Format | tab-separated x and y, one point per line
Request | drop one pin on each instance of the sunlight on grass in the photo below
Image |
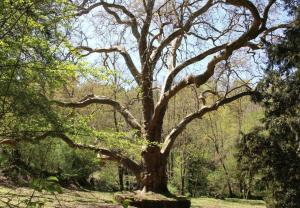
72	198
228	203
68	198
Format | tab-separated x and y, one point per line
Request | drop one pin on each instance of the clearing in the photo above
19	197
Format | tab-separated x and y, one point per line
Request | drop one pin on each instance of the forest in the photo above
150	103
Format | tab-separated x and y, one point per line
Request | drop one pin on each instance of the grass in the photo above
86	199
227	203
19	197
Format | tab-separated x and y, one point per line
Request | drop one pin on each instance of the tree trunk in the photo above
154	177
182	172
121	177
171	166
227	179
229	189
182	185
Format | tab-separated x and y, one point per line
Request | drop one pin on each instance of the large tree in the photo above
154	37
170	46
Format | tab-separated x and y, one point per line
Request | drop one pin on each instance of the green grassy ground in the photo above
228	203
20	197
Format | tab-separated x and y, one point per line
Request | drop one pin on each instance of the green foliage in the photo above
105	179
195	159
33	63
50	184
198	171
125	142
126	203
273	151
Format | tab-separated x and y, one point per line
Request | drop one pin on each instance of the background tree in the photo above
33	64
274	149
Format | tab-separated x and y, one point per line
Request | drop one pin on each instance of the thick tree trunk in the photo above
154	177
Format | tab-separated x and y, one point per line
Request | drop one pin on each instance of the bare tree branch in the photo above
266	14
10	142
91	99
132	22
130	164
131	66
180	31
202	78
147	68
171	137
145	29
188	62
164	99
272	29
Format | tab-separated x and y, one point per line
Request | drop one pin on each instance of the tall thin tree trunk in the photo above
214	139
116	124
171	165
183	162
226	172
182	176
121	177
228	181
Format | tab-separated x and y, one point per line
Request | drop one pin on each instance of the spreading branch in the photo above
171	137
91	99
188	62
201	79
130	164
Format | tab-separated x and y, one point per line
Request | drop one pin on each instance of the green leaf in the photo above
53	179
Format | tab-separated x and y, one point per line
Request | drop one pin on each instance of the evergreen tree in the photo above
274	149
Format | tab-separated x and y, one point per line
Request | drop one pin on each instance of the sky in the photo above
98	32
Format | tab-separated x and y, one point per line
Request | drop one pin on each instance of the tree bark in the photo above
154	176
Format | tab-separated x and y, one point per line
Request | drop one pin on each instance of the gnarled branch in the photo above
198	80
130	164
91	99
171	137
